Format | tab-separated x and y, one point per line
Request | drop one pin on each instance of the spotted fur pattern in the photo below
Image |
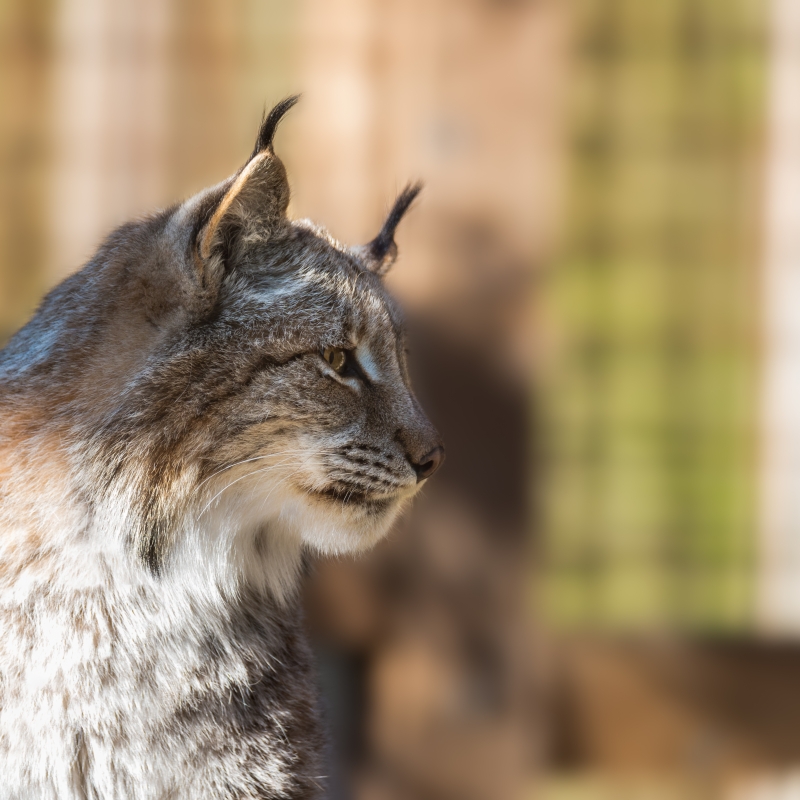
172	444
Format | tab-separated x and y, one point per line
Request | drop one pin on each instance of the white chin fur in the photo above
331	529
253	533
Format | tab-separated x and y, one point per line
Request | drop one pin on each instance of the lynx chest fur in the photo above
220	392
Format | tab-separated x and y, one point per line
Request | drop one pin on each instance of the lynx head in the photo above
234	383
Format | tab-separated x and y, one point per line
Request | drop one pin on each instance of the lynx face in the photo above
223	385
322	432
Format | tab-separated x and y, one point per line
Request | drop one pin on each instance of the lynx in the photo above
220	392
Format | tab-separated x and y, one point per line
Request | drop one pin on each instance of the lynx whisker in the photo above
271	468
280	482
243	461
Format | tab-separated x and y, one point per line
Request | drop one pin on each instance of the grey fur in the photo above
171	444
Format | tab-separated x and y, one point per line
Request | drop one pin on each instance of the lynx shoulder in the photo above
218	392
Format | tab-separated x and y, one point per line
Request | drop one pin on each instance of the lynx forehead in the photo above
217	392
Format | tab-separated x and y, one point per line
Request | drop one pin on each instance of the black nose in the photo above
429	463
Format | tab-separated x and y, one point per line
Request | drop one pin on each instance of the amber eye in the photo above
336	357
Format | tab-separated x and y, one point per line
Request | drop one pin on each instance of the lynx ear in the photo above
258	195
381	252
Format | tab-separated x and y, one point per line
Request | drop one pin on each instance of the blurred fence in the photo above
650	394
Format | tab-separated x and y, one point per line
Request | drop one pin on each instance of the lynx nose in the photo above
424	449
429	463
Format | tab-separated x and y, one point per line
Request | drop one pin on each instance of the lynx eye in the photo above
336	357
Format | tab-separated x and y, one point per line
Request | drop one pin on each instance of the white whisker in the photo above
241	478
244	461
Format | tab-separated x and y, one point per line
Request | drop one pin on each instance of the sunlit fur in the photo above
172	444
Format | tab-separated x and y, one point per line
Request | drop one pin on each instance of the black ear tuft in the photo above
269	124
382	250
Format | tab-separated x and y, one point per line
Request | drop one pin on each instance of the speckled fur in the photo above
172	444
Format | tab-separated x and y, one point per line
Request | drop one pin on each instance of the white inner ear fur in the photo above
223	208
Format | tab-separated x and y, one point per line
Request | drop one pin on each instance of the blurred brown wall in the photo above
24	77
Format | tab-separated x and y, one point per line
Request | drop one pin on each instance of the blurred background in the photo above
599	595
